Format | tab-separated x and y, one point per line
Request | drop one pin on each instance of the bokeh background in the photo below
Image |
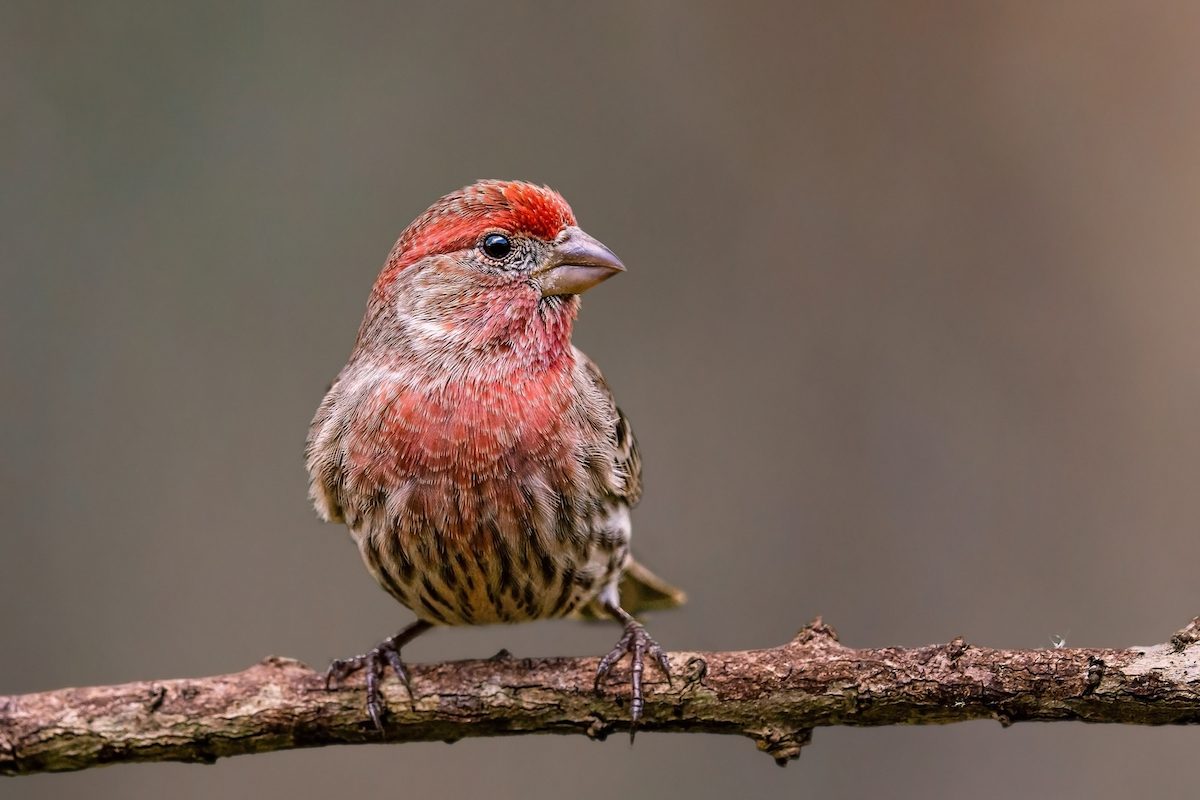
910	336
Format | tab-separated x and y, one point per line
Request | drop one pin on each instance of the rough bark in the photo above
774	696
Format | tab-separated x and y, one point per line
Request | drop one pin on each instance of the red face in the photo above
522	232
459	220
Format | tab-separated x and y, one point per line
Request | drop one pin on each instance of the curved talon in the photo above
393	657
340	668
614	655
375	707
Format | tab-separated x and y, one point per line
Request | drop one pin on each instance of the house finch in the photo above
476	456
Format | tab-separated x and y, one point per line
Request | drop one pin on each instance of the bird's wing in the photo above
640	589
626	458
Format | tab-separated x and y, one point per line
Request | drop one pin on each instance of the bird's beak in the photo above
577	263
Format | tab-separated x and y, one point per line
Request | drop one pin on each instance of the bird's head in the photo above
488	265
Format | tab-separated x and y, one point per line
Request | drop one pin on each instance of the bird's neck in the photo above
506	334
467	396
519	333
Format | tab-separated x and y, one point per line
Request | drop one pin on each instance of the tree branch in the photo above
775	696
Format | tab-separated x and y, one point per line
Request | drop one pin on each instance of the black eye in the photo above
496	245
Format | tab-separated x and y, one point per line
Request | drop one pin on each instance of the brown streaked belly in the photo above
454	582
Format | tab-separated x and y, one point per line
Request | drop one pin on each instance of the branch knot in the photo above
781	743
1187	636
816	633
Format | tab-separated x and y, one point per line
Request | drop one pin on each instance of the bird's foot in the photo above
638	644
375	661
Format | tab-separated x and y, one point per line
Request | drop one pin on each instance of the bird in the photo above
476	456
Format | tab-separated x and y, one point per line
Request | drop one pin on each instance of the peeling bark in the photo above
775	696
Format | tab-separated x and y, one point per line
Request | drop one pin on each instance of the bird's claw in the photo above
638	644
385	654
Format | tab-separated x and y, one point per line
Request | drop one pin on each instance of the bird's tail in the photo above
641	590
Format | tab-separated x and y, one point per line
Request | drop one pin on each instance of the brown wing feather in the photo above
626	457
640	589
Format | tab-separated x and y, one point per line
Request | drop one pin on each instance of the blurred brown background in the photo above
910	337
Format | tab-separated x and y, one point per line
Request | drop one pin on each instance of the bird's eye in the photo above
496	245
